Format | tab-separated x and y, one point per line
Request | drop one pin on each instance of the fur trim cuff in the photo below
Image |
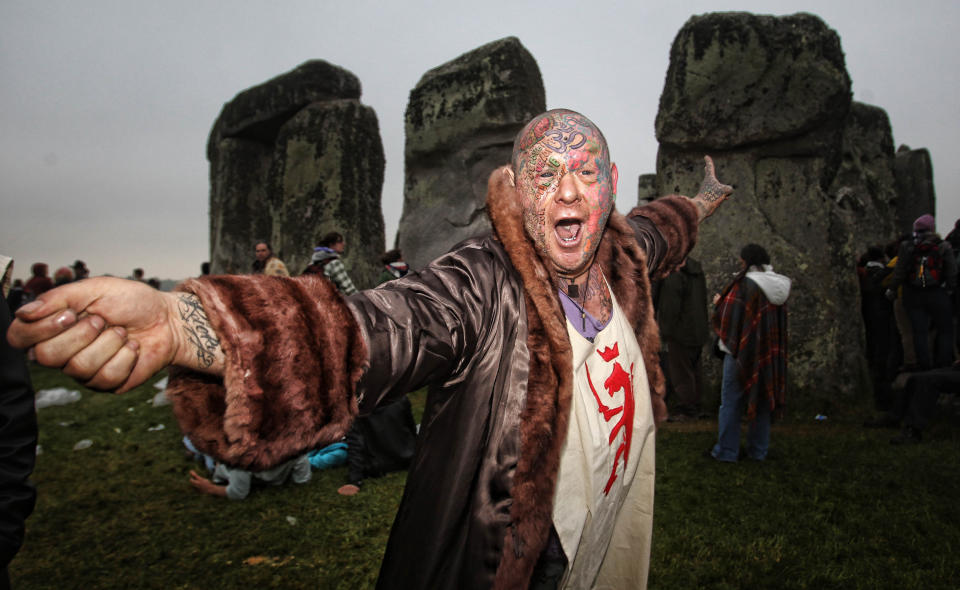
277	398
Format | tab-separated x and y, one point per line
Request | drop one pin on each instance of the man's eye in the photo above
547	174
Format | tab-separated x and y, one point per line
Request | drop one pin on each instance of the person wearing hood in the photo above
750	320
927	270
326	261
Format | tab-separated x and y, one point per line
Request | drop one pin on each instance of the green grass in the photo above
837	507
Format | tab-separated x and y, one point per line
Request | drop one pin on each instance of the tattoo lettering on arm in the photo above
197	329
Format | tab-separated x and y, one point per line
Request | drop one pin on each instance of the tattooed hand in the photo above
113	334
712	191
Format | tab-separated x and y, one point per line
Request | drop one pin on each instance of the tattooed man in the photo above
534	465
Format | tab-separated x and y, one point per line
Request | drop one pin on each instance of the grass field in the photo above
835	507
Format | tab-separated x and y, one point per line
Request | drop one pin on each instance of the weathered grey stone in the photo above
647	188
460	123
327	175
916	196
239	213
769	99
258	112
291	159
737	78
863	188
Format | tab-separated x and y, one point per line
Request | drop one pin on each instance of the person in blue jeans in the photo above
750	320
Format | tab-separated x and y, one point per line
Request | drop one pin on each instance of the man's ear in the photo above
510	177
613	180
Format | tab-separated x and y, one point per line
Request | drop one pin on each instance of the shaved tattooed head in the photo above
567	187
557	131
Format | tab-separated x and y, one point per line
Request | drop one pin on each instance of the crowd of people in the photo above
910	306
21	293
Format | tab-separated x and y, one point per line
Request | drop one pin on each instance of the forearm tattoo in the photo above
196	327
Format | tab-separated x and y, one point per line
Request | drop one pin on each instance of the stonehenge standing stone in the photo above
646	188
290	160
460	123
915	187
769	98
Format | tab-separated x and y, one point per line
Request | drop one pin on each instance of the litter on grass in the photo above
83	444
57	396
160	399
156	428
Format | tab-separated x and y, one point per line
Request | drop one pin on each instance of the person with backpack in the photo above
326	261
927	270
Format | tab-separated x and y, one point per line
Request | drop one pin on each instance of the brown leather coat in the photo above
482	327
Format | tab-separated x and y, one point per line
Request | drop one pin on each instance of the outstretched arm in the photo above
114	334
712	191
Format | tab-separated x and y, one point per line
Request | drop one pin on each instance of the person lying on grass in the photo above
535	459
235	484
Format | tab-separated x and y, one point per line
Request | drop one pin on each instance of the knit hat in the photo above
924	223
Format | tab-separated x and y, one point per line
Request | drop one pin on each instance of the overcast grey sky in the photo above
105	106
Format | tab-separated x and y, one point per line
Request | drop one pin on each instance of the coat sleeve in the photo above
293	354
667	230
18	444
425	327
296	355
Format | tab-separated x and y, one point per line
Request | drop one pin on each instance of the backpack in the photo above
316	268
926	269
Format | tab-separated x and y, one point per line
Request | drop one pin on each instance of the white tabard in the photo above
603	509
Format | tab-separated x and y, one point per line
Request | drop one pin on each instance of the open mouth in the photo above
568	231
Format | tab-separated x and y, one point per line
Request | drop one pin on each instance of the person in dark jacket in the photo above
878	322
684	329
39	283
927	270
18	442
536	342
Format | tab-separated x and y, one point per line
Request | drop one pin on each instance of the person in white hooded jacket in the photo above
750	320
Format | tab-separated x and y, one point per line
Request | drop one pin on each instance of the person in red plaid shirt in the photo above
750	320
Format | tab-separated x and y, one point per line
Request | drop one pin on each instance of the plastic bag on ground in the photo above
57	396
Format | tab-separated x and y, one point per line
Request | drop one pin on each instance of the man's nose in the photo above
568	192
